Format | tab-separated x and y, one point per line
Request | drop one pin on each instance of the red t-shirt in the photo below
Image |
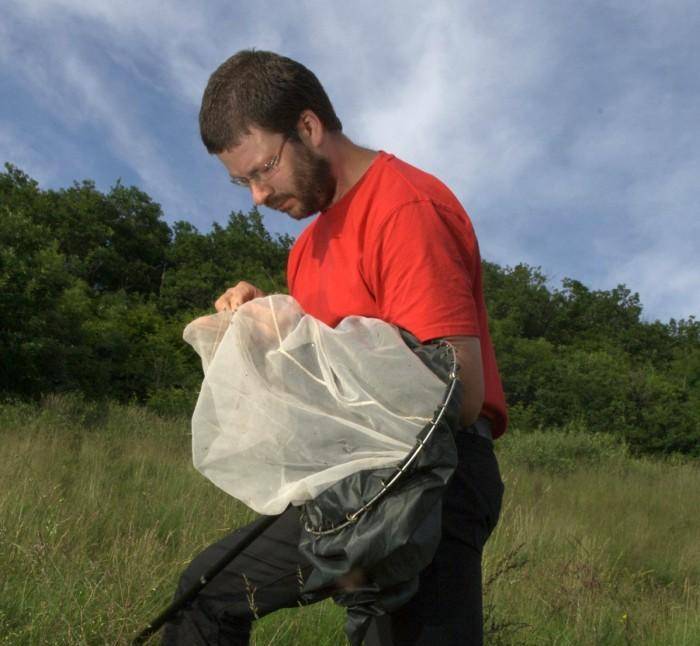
399	247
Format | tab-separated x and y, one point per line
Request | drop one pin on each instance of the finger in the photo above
225	303
234	297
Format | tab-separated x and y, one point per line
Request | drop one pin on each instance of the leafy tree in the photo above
114	241
664	416
34	324
593	315
520	296
18	191
202	266
95	290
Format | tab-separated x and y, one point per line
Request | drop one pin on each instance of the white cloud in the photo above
77	90
20	151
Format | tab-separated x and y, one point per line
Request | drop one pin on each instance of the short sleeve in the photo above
420	264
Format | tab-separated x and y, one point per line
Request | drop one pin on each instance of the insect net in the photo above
290	406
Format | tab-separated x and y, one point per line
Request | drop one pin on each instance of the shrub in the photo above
172	402
560	451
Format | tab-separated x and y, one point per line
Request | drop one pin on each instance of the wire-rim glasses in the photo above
268	170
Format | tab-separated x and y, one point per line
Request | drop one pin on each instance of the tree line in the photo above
96	288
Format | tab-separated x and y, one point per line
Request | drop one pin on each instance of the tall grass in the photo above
607	553
100	510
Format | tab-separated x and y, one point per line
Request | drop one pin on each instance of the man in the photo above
391	242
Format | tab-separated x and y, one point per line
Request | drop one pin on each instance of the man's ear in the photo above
310	129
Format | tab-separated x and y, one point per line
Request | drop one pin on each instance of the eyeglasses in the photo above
265	173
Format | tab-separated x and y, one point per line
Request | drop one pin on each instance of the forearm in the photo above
471	374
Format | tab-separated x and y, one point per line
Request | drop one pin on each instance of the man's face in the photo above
282	173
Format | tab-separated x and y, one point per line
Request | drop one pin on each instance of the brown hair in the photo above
263	89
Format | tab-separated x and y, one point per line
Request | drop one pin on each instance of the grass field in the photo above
100	509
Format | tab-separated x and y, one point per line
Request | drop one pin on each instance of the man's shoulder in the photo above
405	177
400	188
399	183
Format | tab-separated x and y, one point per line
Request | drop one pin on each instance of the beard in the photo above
314	185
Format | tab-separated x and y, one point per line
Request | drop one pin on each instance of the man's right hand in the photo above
235	296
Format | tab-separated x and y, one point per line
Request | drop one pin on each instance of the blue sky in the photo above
569	130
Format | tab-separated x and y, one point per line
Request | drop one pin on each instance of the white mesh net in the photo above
289	405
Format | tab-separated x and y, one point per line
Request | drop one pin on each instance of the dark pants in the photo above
269	575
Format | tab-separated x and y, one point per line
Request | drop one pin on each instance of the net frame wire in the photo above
421	440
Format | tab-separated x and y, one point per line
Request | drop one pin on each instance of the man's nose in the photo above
259	193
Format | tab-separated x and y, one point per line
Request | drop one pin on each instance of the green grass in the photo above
100	509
